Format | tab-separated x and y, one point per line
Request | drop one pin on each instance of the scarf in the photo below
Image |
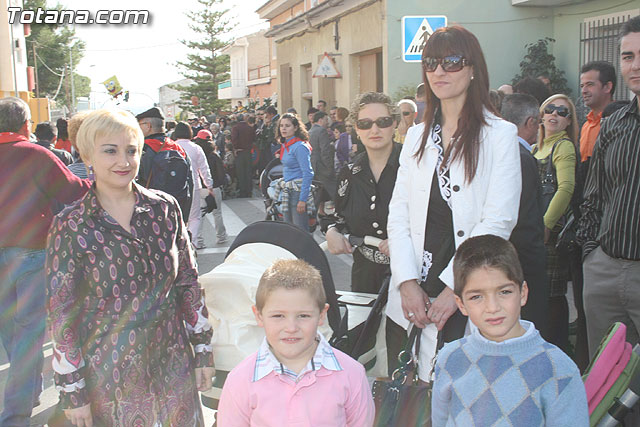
290	142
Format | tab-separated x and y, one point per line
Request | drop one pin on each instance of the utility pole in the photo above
13	61
35	64
73	86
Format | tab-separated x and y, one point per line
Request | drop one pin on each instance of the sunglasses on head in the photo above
450	64
560	109
381	122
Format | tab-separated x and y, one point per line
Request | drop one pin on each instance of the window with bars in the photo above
599	42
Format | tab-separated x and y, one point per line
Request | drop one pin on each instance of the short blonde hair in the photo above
101	123
410	103
291	274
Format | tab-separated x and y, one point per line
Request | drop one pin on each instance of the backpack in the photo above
168	171
217	170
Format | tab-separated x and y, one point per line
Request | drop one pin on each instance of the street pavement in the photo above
237	214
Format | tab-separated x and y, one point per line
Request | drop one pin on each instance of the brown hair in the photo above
485	251
342	114
367	98
291	274
457	40
301	131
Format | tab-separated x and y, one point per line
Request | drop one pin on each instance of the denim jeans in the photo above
299	219
22	325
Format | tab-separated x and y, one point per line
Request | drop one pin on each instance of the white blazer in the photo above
487	205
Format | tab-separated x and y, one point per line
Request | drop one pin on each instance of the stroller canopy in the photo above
303	246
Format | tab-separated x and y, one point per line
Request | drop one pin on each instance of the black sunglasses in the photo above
560	109
407	113
450	64
381	122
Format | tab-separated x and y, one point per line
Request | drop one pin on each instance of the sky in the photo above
144	57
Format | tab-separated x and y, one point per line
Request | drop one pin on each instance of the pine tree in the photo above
52	46
207	68
538	61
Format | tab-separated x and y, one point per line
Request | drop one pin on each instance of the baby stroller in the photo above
271	173
231	288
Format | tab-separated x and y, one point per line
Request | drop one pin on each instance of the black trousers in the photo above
243	172
367	276
396	337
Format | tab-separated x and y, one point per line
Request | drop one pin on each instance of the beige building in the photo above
13	52
351	32
169	97
251	75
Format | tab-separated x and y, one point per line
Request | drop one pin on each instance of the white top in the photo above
487	205
199	165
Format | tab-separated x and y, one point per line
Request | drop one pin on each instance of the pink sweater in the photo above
320	398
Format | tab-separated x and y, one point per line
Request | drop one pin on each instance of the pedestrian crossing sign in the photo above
415	32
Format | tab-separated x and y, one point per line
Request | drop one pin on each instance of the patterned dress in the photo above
125	310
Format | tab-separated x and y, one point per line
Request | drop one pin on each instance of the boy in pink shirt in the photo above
296	378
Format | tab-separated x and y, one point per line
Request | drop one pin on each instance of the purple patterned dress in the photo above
126	313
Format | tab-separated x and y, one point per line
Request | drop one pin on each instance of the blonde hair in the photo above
101	123
291	274
572	128
410	103
74	126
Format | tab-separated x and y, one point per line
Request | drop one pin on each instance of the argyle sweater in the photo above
521	382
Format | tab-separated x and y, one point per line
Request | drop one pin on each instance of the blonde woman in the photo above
555	154
408	113
124	306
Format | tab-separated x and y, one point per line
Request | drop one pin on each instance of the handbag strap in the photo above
409	359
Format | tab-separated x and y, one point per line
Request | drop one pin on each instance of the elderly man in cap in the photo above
32	179
164	165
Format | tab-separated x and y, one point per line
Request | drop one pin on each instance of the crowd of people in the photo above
486	203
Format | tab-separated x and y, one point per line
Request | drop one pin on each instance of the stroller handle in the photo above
356	241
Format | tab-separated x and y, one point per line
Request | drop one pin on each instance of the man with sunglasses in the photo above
609	227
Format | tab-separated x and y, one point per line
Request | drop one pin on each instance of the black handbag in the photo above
566	243
402	401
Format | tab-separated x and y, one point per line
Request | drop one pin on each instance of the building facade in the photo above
352	34
364	39
169	97
251	79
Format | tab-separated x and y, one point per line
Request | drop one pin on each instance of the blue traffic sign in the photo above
415	33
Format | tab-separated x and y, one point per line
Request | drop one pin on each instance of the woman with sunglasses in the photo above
364	191
459	177
293	190
408	113
556	136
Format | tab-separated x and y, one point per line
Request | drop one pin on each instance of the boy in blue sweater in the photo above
503	373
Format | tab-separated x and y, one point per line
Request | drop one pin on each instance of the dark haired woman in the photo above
294	189
459	177
63	142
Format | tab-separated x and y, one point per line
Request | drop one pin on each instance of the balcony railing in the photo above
260	73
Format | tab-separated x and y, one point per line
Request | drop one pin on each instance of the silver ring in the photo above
410	314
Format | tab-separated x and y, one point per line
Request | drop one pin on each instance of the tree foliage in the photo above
52	45
206	67
538	61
